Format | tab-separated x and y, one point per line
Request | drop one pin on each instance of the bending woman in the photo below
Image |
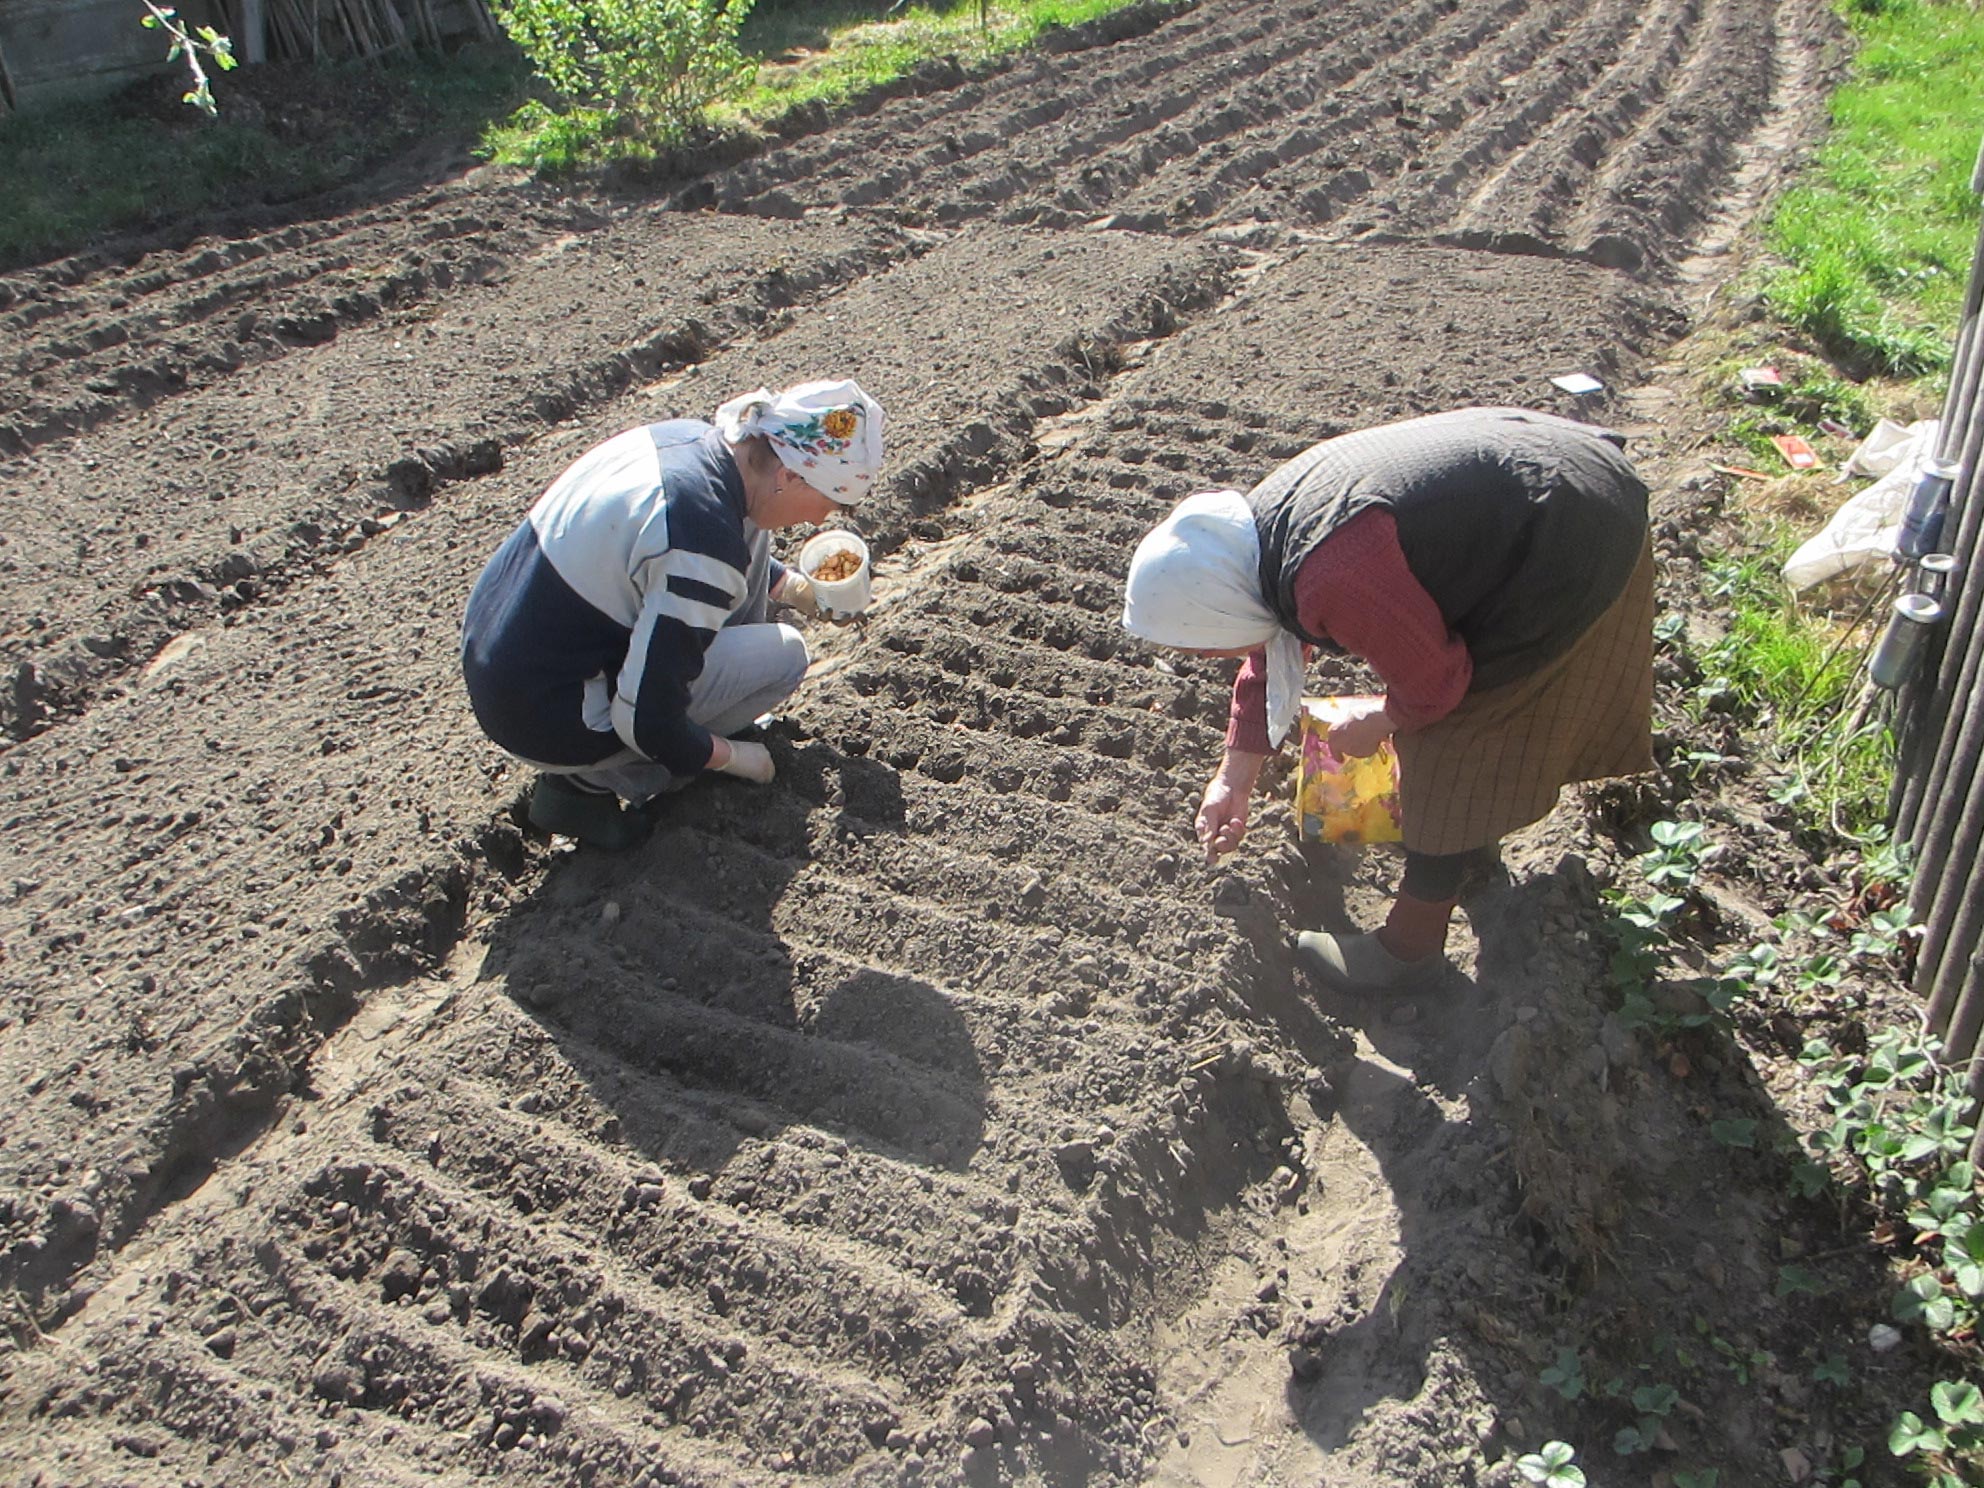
1492	565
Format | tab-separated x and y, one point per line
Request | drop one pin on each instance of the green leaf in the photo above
1923	1300
1552	1466
1832	1371
1676	834
1655	1400
1957	1402
1909	1434
1735	1132
1566	1376
1795	1279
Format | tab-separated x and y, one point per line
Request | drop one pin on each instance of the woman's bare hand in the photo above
1356	737
1222	819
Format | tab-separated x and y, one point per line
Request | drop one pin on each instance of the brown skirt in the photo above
1497	761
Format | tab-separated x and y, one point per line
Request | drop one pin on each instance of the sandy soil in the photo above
933	1115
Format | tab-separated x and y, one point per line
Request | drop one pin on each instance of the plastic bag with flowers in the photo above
1338	799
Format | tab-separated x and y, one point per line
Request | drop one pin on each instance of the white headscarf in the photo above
1195	582
829	434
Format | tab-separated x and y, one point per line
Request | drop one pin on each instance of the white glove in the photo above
748	761
797	591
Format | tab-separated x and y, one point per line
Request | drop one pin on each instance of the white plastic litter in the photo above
1866	526
1884	447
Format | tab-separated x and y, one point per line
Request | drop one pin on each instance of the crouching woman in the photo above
620	640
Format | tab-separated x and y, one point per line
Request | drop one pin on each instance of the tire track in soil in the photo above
888	1124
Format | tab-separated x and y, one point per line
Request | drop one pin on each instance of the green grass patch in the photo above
806	55
1800	676
1878	236
77	172
830	52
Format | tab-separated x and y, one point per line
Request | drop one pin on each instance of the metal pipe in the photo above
1936	574
1900	648
1924	755
1944	732
1928	500
1952	908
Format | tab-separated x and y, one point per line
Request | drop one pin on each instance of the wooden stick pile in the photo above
316	30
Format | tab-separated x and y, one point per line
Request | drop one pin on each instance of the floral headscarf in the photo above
829	434
1195	583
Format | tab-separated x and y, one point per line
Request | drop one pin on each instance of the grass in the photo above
1799	676
830	52
79	171
1874	246
1877	237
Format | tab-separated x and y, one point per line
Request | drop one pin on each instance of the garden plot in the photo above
934	1113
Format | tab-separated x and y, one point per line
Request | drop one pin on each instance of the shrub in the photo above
654	65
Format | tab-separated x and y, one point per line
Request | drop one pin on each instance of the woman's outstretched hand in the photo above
1356	737
1222	820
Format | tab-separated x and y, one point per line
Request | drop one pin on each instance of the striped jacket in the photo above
589	624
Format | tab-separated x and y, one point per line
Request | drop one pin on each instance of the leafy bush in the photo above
651	66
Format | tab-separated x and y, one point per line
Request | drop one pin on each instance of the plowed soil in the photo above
934	1114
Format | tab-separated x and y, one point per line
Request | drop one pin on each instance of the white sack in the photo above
1867	526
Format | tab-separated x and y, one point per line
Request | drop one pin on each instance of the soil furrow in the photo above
1357	120
168	536
934	1114
1522	84
494	1277
334	839
794	1185
985	118
165	334
1676	137
261	515
1563	174
763	1269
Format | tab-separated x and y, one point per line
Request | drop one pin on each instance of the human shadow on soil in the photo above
1373	1344
1582	1190
709	991
1395	1089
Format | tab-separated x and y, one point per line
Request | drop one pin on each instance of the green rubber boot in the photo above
1360	964
561	805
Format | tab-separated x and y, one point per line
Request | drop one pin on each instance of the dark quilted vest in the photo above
1524	527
